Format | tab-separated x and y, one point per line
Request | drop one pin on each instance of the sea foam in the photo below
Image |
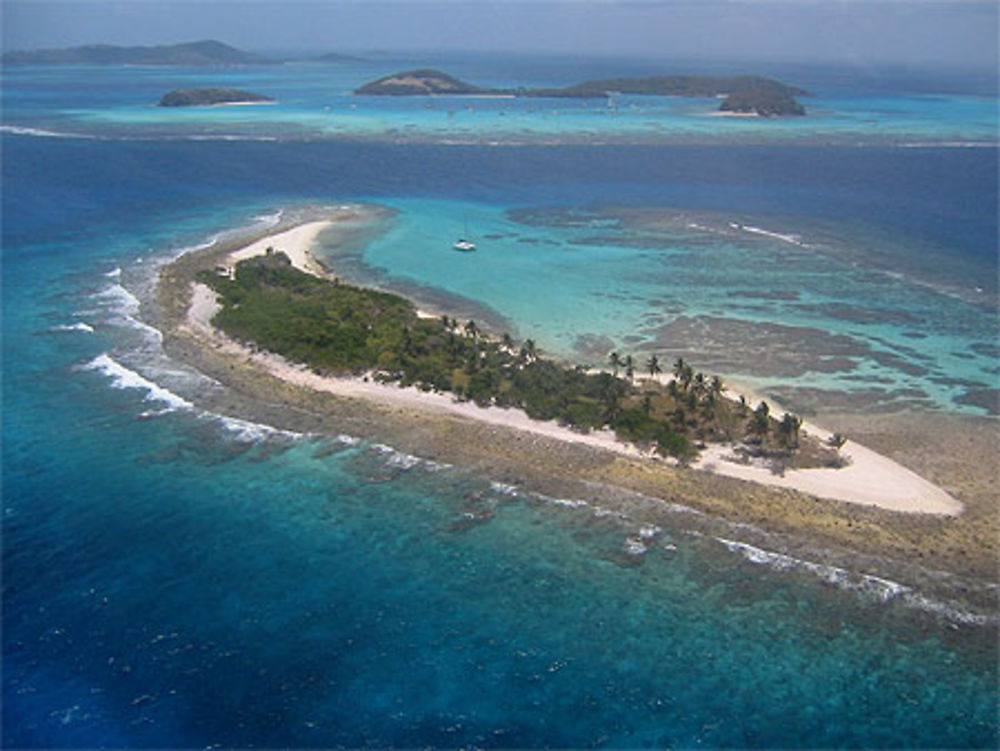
124	378
247	431
788	238
868	585
18	130
79	326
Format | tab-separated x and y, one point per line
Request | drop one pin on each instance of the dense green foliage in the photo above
419	82
336	328
764	96
764	102
202	97
695	86
339	328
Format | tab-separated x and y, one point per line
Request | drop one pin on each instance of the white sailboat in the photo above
462	243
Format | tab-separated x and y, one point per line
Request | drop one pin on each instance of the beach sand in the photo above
295	243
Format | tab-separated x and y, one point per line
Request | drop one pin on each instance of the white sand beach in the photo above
869	479
294	243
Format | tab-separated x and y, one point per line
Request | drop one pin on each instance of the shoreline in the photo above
914	546
869	479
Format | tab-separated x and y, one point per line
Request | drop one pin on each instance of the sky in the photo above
934	32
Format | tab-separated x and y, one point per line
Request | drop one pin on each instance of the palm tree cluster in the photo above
338	328
697	407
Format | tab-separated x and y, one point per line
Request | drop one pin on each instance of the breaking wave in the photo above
868	585
125	378
79	326
18	130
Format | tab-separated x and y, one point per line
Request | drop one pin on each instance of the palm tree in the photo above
679	366
760	423
508	342
653	366
700	384
529	351
629	367
616	362
471	330
789	429
717	386
687	374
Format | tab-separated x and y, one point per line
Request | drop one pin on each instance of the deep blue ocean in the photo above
178	577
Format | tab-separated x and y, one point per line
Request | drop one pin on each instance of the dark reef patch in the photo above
755	294
986	349
809	401
729	345
867	379
986	399
961	382
889	360
862	315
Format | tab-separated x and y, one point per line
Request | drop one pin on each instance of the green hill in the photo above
419	83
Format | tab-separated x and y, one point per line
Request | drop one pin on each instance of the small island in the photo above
210	97
742	94
421	82
338	330
317	355
338	57
762	102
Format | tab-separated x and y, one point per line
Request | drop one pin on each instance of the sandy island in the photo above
869	479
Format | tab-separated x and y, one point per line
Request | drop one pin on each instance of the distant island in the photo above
421	83
337	57
206	52
209	97
762	102
743	94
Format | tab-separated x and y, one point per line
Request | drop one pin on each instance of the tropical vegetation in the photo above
336	328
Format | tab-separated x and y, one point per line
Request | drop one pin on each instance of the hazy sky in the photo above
928	31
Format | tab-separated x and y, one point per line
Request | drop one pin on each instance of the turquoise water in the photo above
315	100
177	577
582	285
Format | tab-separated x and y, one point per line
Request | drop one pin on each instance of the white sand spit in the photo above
870	479
294	243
